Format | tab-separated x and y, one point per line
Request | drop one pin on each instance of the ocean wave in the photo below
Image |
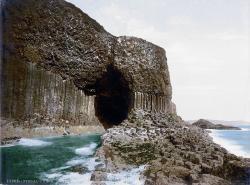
7	145
69	178
64	176
87	150
245	129
231	146
90	163
124	177
75	162
75	179
32	142
52	175
127	177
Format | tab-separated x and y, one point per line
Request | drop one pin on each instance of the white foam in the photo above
53	170
75	162
75	179
230	145
124	177
87	150
91	163
33	142
245	129
127	177
52	175
70	178
7	145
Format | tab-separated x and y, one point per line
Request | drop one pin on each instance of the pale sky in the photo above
206	43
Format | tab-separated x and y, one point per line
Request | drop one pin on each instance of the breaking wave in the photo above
231	145
32	142
64	176
87	150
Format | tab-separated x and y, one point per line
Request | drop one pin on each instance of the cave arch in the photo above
113	98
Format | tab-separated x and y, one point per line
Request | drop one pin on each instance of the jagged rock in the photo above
79	169
205	124
193	159
60	67
61	64
98	183
98	176
10	140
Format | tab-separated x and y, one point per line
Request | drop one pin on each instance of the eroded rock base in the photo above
173	151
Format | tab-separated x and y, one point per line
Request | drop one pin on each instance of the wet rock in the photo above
98	176
60	67
98	183
9	140
79	169
194	159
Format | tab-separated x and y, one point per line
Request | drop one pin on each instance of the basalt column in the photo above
60	64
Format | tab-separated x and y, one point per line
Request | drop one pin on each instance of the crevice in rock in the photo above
113	99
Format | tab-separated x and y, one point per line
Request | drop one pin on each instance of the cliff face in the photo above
60	67
60	64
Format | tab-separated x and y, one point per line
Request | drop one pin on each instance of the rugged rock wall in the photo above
38	96
171	151
57	60
61	67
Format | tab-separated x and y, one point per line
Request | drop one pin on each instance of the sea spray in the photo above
33	142
223	138
48	159
87	150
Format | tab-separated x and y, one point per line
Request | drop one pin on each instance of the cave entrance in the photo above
113	98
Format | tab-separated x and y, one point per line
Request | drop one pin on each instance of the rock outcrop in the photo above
173	151
205	124
59	64
60	67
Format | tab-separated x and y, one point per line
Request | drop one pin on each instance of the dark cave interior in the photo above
113	98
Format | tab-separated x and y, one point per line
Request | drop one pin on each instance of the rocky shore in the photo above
173	151
12	131
205	124
63	73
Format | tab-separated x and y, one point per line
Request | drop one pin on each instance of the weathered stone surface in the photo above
56	57
98	176
60	67
175	152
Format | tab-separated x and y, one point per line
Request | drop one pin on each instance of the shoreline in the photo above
10	135
229	144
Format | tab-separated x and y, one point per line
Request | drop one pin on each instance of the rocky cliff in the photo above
172	152
60	67
59	64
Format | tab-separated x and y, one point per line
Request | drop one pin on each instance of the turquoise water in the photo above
32	159
235	141
56	160
67	160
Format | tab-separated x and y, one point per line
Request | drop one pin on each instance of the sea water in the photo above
235	141
51	161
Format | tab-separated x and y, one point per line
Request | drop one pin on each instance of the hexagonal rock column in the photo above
60	64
